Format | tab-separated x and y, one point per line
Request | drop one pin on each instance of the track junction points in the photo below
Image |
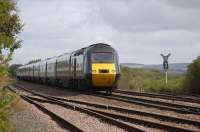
124	118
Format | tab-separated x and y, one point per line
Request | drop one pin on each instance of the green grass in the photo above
7	99
151	81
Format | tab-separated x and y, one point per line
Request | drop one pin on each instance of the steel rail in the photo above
142	121
120	109
178	110
189	108
150	103
126	118
132	111
61	121
161	96
121	124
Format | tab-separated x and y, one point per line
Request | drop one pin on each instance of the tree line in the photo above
193	77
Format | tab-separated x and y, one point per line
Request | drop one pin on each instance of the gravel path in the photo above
27	118
84	121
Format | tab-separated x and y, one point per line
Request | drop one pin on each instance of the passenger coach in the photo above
94	67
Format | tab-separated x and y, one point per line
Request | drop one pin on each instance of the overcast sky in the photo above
138	29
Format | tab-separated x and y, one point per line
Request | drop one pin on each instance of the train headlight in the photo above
94	71
113	71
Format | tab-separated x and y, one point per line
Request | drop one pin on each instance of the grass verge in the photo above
7	99
151	81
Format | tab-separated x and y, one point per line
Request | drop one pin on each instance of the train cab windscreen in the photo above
102	57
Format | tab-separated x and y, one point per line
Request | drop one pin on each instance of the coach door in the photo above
74	68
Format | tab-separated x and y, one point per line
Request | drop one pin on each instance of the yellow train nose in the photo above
103	74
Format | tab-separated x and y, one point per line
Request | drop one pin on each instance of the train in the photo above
95	67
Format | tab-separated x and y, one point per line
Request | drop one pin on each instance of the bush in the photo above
193	77
150	81
6	100
12	69
3	71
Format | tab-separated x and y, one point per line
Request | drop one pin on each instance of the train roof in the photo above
80	51
77	52
97	44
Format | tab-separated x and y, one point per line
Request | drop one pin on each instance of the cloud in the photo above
147	16
138	29
193	4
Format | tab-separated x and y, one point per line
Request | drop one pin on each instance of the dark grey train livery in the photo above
94	67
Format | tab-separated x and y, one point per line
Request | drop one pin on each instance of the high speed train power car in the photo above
94	67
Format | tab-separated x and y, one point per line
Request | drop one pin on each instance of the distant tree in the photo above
12	69
34	61
193	77
10	26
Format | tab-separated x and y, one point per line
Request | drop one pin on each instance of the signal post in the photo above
166	65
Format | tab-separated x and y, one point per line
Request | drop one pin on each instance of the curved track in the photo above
162	96
122	117
184	109
62	122
105	118
155	104
195	110
132	111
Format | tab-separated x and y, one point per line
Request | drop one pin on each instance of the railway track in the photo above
133	111
62	122
183	109
119	116
124	125
161	96
154	104
175	105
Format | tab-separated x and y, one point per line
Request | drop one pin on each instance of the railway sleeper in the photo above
123	110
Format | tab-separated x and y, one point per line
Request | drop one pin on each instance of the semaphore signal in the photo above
166	64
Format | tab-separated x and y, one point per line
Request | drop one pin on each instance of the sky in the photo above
138	29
